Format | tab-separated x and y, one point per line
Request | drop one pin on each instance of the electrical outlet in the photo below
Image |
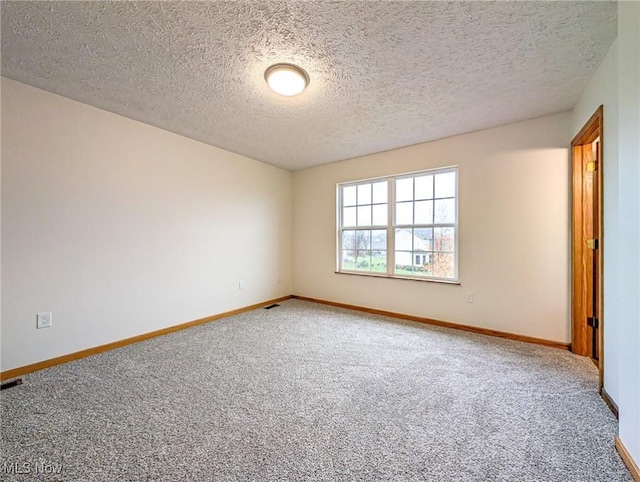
44	319
279	279
240	285
468	297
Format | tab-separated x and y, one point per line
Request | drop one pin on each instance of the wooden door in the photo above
591	239
586	246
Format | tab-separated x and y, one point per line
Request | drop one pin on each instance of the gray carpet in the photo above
308	392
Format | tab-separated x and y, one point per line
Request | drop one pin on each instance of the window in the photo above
400	226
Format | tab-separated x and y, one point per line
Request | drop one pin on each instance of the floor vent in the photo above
13	383
270	306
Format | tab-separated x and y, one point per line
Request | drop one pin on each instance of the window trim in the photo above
391	225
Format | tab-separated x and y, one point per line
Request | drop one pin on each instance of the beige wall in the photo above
629	223
514	237
120	228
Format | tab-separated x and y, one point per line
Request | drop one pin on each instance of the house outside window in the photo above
400	226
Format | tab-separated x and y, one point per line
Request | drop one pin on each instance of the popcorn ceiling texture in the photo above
383	74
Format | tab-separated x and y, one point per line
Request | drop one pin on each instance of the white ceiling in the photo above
383	74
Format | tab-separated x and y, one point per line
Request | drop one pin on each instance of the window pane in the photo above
364	215
424	187
404	213
364	194
349	217
446	184
443	265
424	212
423	265
348	240
404	240
404	263
445	211
404	189
363	240
444	239
363	261
354	254
422	239
348	261
349	196
379	261
379	240
379	214
380	191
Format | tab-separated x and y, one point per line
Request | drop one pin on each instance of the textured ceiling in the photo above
383	74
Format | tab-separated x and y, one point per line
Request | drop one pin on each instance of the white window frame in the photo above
391	225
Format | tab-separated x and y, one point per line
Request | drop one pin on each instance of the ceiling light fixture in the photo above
286	79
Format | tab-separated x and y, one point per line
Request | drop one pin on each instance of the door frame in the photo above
591	131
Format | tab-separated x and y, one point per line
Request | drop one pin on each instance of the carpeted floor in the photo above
308	392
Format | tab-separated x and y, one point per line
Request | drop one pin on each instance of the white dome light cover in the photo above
286	79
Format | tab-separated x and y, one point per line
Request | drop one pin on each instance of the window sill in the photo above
406	278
